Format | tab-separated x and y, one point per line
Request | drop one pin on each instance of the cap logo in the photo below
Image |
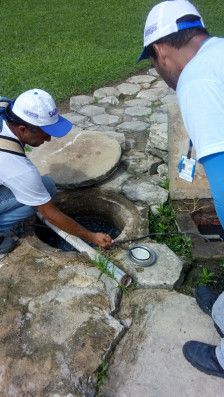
53	113
31	114
150	30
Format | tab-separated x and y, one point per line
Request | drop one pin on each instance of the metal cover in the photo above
141	255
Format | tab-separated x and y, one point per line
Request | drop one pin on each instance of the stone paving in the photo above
59	321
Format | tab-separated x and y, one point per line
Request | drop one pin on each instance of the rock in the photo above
159	117
75	118
128	89
135	126
153	94
91	110
154	73
135	164
56	323
137	111
163	170
170	99
158	136
110	99
106	92
152	163
141	79
143	190
154	209
105	119
80	100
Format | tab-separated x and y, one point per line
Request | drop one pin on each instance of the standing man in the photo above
32	119
191	62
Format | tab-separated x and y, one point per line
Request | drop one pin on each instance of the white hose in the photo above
76	242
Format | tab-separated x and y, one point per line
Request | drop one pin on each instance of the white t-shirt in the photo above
20	175
200	93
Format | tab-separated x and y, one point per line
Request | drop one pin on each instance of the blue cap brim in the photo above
144	55
59	129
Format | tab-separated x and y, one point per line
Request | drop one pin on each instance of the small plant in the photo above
222	264
166	184
27	148
102	262
151	112
205	277
101	373
164	222
95	100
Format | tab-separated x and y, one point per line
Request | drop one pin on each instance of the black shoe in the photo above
205	299
7	244
203	357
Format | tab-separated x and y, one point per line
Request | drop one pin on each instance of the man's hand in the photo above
102	239
67	224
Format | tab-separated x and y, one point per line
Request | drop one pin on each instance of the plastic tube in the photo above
76	242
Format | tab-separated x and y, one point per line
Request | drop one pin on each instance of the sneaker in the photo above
7	244
202	356
205	299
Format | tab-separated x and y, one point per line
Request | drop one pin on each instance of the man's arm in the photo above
53	215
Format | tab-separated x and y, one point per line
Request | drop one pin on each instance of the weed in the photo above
151	112
103	262
205	277
164	222
101	373
166	184
222	264
27	148
95	100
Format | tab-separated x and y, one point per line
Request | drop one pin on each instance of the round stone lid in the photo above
81	158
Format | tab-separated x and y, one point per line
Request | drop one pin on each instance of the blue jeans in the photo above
12	212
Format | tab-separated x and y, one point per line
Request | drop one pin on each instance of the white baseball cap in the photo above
38	108
161	21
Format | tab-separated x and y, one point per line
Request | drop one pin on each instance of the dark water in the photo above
94	224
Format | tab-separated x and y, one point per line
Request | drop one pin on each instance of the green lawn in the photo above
71	47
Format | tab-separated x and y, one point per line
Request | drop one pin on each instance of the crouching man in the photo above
32	119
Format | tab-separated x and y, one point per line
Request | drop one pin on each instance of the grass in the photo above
68	47
74	47
101	374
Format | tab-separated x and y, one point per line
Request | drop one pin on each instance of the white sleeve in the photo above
202	108
28	187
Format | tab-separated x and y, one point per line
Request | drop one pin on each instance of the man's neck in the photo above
186	53
12	128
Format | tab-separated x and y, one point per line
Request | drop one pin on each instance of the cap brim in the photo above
144	55
59	129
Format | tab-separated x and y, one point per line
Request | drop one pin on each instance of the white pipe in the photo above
76	242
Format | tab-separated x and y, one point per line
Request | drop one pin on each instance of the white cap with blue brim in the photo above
162	21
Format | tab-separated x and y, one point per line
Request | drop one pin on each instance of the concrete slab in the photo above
78	159
166	272
56	323
149	360
178	143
